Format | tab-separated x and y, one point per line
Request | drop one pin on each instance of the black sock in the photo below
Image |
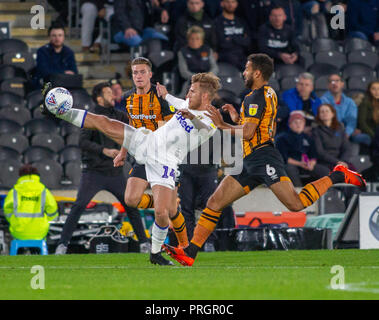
337	177
192	250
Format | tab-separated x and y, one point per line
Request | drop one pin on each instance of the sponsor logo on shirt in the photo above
184	123
143	116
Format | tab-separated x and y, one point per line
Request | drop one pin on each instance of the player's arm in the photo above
177	103
198	124
247	129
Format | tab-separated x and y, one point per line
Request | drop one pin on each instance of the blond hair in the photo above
209	82
196	29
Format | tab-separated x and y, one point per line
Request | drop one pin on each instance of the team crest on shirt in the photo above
172	109
253	109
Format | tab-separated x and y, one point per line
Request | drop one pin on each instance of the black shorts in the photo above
138	171
263	166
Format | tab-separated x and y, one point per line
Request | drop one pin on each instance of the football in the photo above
58	101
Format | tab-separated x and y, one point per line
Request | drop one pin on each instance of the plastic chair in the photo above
357	69
17	244
23	60
34	99
11	99
334	58
9	171
81	99
13	45
322	69
14	85
11	72
368	58
288	70
52	141
19	114
51	173
16	141
324	44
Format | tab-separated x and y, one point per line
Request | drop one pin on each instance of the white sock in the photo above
74	116
158	237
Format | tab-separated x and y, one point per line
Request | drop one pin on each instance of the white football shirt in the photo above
170	143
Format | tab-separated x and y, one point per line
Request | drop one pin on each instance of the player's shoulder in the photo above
129	93
259	95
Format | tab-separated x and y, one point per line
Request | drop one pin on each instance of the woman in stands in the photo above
332	144
368	115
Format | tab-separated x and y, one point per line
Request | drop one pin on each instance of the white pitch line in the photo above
180	267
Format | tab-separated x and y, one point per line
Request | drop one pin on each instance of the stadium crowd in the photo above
326	78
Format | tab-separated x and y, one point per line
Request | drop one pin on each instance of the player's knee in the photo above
295	206
131	200
161	212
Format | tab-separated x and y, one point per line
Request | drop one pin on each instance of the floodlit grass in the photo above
214	276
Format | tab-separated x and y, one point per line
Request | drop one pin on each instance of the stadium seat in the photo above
333	202
16	141
308	58
274	84
357	69
353	93
324	44
159	58
4	30
322	83
73	139
51	173
67	128
365	57
36	126
359	82
234	84
288	70
34	99
12	45
36	114
361	162
334	58
21	115
14	85
288	82
34	154
319	93
9	126
23	60
9	172
354	44
10	72
322	69
81	99
70	153
229	97
11	99
52	141
73	171
227	70
9	153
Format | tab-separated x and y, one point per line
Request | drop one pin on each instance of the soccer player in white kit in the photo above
162	150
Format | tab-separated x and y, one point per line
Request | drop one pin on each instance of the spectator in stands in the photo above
98	173
314	7
368	115
90	10
294	15
347	111
29	206
133	22
178	7
195	57
278	40
332	145
255	13
233	39
363	20
299	151
302	97
54	57
372	174
194	16
119	99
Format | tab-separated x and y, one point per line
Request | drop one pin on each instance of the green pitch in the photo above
219	275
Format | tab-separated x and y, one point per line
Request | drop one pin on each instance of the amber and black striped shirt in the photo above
260	107
147	110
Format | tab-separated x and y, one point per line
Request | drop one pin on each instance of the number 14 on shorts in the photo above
165	174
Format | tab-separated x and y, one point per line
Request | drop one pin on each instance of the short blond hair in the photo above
209	82
196	29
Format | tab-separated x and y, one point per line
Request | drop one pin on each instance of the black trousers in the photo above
90	184
194	191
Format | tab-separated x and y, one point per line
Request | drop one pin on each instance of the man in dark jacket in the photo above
278	40
98	171
233	38
299	151
54	57
195	15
